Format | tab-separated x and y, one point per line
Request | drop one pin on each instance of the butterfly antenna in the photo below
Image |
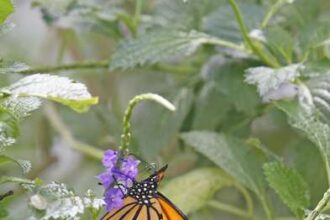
149	166
119	185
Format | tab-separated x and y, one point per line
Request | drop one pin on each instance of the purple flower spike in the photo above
110	158
124	175
113	198
130	167
106	179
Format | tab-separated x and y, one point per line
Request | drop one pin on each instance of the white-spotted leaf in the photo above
55	88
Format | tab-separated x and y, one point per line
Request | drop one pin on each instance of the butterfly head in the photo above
161	173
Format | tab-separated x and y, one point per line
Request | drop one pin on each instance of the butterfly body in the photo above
143	202
144	191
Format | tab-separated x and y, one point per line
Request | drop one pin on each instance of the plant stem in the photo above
324	201
9	193
137	16
102	64
10	179
64	131
126	134
228	44
248	199
271	62
266	208
277	6
229	209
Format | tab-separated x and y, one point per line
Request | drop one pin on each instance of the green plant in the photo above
249	79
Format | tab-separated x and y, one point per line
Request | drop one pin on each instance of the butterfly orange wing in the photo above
161	209
130	206
168	210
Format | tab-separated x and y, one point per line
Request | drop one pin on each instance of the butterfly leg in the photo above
119	185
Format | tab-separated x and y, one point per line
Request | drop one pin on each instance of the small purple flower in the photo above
106	178
110	158
113	198
130	167
124	175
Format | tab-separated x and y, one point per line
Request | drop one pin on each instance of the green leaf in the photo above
157	46
228	75
20	107
3	212
11	179
212	105
222	22
304	117
280	43
320	90
315	35
187	15
53	10
24	164
207	181
289	185
156	127
301	13
5	10
12	110
269	80
55	88
231	155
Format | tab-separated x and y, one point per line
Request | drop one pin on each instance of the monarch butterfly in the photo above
143	202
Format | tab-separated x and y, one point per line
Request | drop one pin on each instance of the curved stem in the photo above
64	131
137	16
324	201
271	12
126	135
248	40
10	179
248	199
266	208
9	193
228	44
229	209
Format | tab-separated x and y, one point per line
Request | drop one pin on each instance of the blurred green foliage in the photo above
250	79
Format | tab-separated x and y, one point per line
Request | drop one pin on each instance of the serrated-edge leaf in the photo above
222	22
305	117
5	10
268	79
320	91
3	211
157	46
60	89
12	110
20	107
211	107
289	185
24	164
206	181
229	154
